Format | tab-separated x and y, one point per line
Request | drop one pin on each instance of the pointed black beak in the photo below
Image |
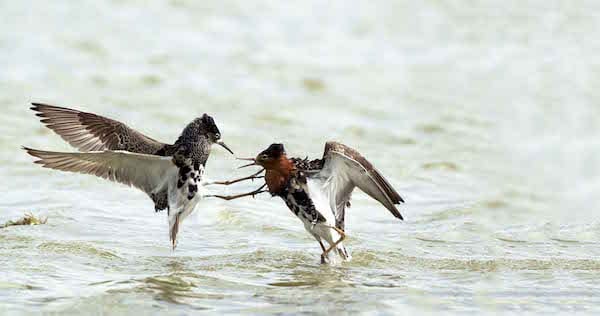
248	165
225	146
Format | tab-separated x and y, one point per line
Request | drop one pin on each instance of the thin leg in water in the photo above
232	197
342	237
251	177
323	254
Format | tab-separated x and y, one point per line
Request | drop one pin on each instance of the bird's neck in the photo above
193	141
278	175
194	132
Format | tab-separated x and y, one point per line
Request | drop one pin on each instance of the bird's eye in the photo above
264	156
217	136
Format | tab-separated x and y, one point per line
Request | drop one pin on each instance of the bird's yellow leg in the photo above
342	237
232	197
322	254
251	177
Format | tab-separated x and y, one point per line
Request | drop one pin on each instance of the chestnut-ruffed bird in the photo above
318	191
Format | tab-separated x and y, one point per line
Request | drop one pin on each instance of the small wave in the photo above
430	128
492	264
19	286
495	204
228	217
427	239
294	283
76	248
440	165
509	239
571	241
313	84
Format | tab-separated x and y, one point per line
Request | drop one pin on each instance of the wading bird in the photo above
318	191
169	174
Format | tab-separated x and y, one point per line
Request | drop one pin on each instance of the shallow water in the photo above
484	117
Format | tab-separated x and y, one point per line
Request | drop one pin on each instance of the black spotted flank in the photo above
111	150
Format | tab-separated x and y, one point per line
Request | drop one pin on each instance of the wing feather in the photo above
91	132
344	169
146	172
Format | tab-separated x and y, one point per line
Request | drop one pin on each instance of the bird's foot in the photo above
325	258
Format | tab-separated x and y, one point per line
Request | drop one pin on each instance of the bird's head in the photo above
209	128
272	158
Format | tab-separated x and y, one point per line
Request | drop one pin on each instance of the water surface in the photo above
483	116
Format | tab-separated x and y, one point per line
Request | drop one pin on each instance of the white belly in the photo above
183	200
320	199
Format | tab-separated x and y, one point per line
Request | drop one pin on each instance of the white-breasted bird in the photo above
170	174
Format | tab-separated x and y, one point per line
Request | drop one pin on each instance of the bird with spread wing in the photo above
318	191
171	174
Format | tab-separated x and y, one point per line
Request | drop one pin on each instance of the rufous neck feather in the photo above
279	173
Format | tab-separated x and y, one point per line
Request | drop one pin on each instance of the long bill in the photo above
248	165
225	146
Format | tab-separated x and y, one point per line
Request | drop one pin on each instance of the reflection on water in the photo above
174	289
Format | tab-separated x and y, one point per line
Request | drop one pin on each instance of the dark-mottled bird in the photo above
169	174
318	191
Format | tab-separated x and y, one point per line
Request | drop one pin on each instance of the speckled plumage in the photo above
318	191
91	132
296	197
190	153
169	174
304	164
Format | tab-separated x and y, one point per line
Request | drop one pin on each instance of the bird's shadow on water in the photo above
212	281
177	283
367	269
311	275
301	270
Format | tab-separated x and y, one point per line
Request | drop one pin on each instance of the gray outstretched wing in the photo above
146	172
91	132
344	169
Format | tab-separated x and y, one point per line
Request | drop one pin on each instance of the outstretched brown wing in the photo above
344	169
91	132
